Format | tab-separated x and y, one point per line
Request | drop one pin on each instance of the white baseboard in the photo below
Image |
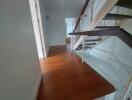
37	87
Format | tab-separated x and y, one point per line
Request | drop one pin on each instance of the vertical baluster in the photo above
74	40
83	47
71	43
92	3
124	97
83	44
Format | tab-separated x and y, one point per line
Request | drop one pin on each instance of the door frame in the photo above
38	28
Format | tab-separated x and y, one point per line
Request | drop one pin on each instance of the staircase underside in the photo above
103	63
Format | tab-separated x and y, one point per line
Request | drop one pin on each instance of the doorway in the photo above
70	25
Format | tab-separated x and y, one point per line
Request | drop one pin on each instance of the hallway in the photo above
65	77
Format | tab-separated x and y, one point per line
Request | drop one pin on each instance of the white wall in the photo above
19	66
70	25
55	22
56	28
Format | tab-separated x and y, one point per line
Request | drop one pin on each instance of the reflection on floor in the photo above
65	77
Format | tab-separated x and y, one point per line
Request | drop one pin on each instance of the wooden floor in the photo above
65	77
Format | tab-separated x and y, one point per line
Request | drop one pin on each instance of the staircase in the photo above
107	30
102	30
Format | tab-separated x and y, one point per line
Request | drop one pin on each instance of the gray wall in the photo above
19	66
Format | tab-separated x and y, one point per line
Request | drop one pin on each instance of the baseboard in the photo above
38	86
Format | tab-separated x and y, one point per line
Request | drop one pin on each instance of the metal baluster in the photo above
83	47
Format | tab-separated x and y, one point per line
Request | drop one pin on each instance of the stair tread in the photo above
121	33
88	44
80	48
101	32
89	40
107	27
125	3
111	16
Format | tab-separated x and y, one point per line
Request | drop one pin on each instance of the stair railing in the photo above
74	38
91	19
101	12
79	27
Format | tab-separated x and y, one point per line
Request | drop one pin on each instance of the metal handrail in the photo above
82	12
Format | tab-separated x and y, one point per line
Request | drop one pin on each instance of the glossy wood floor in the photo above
65	77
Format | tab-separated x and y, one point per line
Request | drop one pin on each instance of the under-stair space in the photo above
106	45
111	63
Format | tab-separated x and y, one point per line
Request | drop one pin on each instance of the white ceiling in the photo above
64	5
